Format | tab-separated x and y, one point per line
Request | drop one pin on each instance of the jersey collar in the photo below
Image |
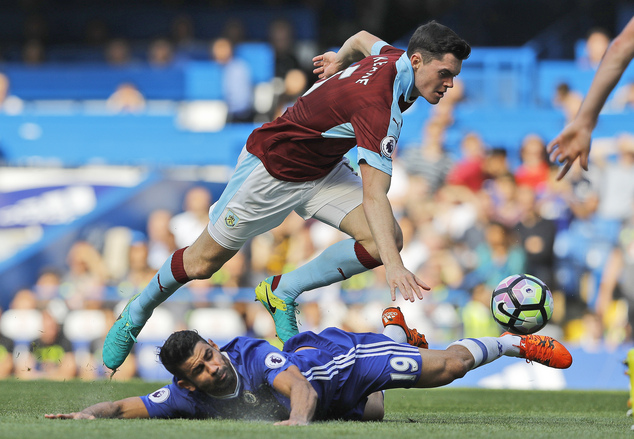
405	73
238	382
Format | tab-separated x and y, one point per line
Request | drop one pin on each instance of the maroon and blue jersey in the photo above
343	368
361	105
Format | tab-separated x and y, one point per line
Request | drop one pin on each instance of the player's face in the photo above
209	371
432	80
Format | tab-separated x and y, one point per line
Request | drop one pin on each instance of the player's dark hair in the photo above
177	348
433	41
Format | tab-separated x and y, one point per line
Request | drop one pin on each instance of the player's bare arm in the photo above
574	140
128	408
354	49
292	384
378	212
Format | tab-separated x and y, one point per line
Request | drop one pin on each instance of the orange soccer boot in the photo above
544	350
394	316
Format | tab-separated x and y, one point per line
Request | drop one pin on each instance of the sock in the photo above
488	349
170	277
396	333
338	262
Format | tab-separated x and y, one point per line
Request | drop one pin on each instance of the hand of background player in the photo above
573	142
409	285
74	415
326	65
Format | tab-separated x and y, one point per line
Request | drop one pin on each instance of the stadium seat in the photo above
219	324
157	329
82	327
21	325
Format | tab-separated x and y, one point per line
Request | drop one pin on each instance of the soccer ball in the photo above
522	304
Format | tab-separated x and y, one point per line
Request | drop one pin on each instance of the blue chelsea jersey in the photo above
256	363
343	368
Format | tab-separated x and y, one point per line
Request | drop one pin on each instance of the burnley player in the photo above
331	375
296	163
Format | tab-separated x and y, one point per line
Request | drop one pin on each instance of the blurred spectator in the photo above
233	274
8	103
126	99
234	31
537	236
597	43
24	299
160	53
623	99
161	241
429	159
51	357
469	170
504	208
567	100
282	39
47	286
617	279
455	212
83	285
182	35
33	52
615	182
187	225
295	84
237	84
534	169
496	163
139	272
117	52
6	354
476	314
497	258
96	32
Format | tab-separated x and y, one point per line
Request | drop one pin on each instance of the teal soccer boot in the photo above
282	311
120	339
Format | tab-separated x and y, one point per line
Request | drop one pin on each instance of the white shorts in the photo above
254	202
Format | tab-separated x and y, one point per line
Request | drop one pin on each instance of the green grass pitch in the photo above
436	413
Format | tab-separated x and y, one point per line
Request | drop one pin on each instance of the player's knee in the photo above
374	407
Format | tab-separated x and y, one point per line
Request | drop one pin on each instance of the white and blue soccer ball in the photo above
522	304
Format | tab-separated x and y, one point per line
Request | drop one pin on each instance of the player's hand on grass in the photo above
292	422
326	65
75	415
408	284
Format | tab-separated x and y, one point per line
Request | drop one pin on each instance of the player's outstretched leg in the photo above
393	317
542	349
336	263
282	311
122	335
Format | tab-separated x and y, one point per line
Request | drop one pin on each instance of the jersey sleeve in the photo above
266	362
375	144
169	402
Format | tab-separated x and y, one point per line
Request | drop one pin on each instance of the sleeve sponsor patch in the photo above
388	145
274	360
160	395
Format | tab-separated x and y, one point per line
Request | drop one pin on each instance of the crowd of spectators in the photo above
469	220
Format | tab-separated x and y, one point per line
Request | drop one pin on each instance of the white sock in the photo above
487	349
396	333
